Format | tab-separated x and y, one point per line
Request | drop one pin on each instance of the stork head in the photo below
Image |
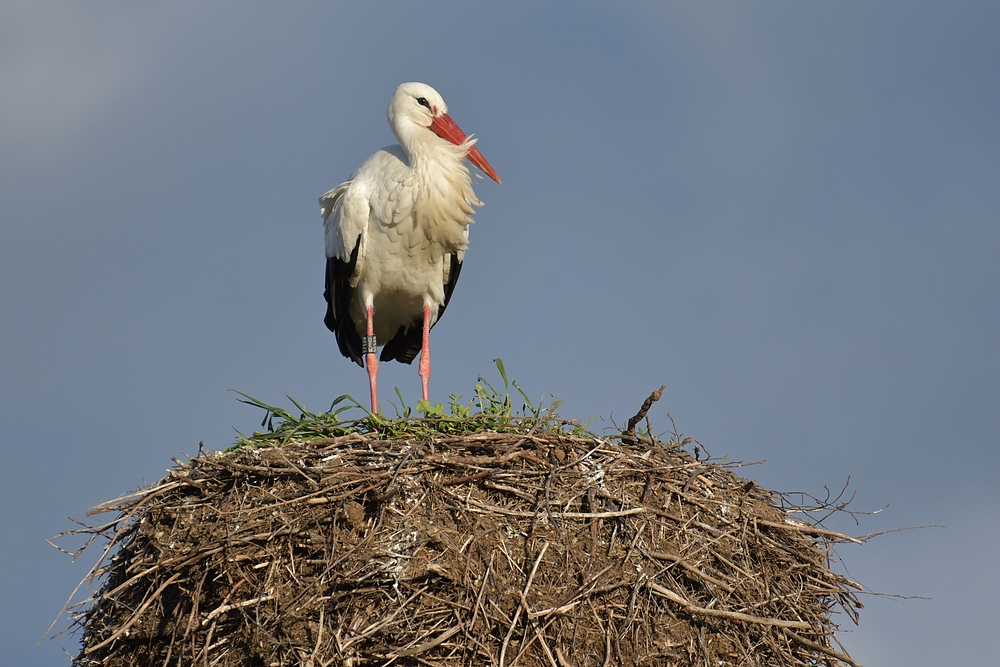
418	113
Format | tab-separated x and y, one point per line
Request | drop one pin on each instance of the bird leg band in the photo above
369	345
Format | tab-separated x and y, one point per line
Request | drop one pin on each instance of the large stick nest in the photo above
459	542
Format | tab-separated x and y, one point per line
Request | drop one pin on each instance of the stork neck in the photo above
421	145
429	154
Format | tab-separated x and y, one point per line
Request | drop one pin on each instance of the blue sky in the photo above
787	213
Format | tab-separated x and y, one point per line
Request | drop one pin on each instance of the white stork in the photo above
396	235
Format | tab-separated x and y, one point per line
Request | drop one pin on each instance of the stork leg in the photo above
371	360
425	351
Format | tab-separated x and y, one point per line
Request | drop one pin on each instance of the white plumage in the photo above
396	235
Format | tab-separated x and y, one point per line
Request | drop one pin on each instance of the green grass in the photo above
491	408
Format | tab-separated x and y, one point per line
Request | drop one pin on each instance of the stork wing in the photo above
345	222
451	271
450	280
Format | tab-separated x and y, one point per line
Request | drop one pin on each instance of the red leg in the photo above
425	351
371	361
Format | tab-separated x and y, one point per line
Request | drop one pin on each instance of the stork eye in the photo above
422	101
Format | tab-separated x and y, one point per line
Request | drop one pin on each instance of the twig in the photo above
544	645
222	609
563	662
734	615
444	636
690	568
469	478
375	627
135	616
810	530
521	605
482	507
574	598
648	403
819	647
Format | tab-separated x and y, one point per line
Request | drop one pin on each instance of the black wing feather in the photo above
449	287
338	294
405	345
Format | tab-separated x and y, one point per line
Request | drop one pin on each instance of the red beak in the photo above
446	128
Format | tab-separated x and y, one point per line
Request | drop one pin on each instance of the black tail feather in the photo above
404	346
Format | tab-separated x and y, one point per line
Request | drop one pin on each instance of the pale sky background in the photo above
787	212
